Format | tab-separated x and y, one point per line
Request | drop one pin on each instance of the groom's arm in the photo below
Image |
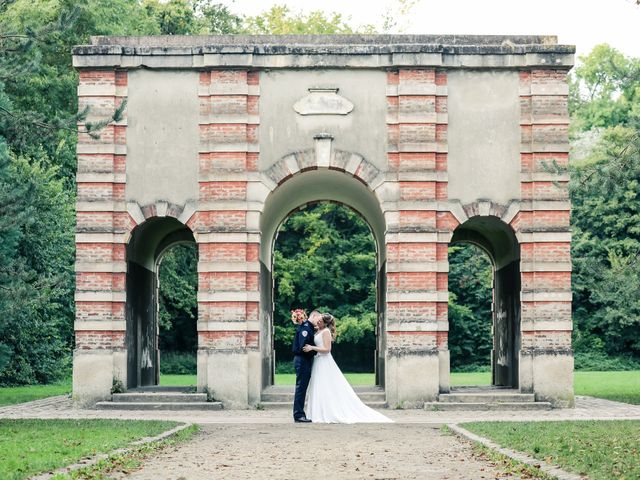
309	340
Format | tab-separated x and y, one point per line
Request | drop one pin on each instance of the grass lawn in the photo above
27	393
472	378
353	378
618	386
600	449
28	447
178	380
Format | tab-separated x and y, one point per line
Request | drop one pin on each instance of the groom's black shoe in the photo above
302	420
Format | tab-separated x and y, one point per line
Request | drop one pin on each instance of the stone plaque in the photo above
323	101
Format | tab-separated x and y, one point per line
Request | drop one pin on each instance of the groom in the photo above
303	361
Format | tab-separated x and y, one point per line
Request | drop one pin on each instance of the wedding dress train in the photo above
331	398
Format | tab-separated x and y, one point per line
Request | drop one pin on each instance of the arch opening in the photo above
499	242
309	190
148	244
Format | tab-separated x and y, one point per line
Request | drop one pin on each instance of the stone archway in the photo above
148	242
498	240
314	176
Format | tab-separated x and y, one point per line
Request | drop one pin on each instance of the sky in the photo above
584	23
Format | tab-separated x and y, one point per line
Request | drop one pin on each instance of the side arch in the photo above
499	241
148	242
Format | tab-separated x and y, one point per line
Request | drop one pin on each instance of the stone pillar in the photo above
102	227
542	226
446	223
228	237
416	292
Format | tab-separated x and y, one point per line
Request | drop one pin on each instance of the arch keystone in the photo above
323	149
484	208
161	209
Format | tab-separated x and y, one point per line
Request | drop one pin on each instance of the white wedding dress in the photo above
331	398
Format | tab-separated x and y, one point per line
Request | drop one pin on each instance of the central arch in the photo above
295	191
498	240
147	245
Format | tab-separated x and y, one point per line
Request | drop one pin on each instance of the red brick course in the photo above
411	281
99	340
411	252
227	311
223	191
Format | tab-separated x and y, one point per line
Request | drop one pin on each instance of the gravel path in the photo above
319	451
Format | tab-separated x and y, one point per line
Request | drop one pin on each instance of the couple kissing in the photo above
331	398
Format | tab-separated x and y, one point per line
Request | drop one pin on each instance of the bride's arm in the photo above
326	344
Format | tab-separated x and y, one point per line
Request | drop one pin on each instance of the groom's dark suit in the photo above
302	363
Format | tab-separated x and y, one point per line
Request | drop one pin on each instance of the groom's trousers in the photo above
302	364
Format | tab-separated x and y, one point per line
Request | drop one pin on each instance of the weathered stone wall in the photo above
420	134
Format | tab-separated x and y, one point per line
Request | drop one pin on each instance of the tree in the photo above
36	274
605	194
605	90
280	20
178	299
216	18
606	245
470	318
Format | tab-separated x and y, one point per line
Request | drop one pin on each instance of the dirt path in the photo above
304	452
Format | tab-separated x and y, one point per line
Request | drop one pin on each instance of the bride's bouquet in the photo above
298	316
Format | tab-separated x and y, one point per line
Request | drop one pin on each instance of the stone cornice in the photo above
328	51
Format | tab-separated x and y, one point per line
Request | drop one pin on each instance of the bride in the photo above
331	398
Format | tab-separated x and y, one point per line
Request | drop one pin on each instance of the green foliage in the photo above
285	368
175	17
178	300
605	91
192	17
216	18
36	275
470	319
177	363
605	194
596	360
325	258
355	329
280	20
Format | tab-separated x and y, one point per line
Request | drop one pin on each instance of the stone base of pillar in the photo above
525	373
412	379
94	372
225	377
553	378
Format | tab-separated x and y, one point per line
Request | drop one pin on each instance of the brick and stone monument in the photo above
433	139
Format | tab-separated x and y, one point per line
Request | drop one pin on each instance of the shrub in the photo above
178	363
596	361
285	367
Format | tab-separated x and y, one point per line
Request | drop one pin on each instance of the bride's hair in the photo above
330	322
